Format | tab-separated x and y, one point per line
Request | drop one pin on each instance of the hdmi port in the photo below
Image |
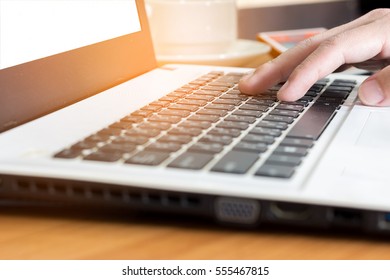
290	211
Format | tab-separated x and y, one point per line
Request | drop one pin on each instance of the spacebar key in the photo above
314	121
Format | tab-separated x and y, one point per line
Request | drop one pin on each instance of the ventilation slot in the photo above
24	185
59	189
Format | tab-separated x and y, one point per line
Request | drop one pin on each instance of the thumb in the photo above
375	90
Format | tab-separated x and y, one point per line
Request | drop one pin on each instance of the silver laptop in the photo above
88	118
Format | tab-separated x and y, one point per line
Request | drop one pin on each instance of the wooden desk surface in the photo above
46	233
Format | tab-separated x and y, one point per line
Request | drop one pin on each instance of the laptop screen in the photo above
32	29
55	53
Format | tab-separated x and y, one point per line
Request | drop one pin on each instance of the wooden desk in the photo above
62	233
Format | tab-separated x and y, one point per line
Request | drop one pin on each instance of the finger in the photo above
343	48
281	67
373	64
375	90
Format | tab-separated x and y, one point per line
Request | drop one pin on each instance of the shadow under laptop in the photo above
153	219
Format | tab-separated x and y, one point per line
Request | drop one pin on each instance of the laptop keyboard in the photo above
209	125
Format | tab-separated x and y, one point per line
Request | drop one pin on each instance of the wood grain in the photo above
66	233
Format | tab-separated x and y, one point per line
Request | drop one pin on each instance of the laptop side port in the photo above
347	217
237	210
290	211
384	221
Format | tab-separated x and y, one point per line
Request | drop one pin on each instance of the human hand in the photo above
362	42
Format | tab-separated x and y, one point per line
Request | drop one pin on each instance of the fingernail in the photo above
370	93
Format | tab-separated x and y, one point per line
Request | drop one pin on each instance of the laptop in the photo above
88	118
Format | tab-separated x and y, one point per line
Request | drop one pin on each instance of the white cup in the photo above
192	27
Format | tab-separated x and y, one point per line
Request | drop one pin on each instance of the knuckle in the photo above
377	13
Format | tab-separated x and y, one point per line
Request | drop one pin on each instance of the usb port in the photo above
347	217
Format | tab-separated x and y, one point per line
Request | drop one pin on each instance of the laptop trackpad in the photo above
376	131
369	154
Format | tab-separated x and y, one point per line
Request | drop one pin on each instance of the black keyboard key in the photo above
340	82
225	131
117	148
185	131
233	125
234	97
292	107
152	158
189	102
226	85
168	119
234	102
311	93
237	162
220	107
254	107
324	99
268	103
274	125
306	99
200	97
337	88
182	139
208	148
275	118
185	89
143	132
195	124
221	139
286	113
251	147
190	108
259	138
137	140
97	138
297	142
68	154
237	118
122	125
343	94
278	171
179	113
212	112
83	145
154	125
266	131
102	156
110	131
276	159
206	118
313	122
207	93
142	113
191	160
247	113
132	119
291	150
163	147
215	88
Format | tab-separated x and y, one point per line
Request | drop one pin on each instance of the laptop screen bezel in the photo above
34	89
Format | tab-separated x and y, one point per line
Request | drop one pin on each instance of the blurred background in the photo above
271	15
